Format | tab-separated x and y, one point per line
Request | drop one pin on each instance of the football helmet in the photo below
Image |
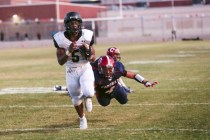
114	53
72	16
106	66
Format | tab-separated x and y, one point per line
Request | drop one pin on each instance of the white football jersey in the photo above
77	58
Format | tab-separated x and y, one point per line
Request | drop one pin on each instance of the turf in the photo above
177	108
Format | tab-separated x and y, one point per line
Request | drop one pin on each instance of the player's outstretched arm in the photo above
140	79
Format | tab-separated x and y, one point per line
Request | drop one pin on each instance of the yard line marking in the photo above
167	104
42	90
184	89
195	51
150	62
143	104
94	129
169	129
178	55
28	90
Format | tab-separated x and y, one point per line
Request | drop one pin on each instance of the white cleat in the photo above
83	123
57	88
88	104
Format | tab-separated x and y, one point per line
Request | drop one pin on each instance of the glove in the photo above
128	89
86	50
149	84
87	47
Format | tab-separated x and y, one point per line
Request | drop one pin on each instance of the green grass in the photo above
177	108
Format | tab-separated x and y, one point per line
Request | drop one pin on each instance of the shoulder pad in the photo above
87	34
61	40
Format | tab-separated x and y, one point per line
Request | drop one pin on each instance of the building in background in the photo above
41	17
137	20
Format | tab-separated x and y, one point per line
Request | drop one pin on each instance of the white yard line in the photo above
40	90
67	106
150	62
29	90
95	129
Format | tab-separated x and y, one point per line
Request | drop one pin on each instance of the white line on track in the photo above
94	129
67	106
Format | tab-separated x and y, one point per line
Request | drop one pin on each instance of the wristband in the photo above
68	53
139	78
145	82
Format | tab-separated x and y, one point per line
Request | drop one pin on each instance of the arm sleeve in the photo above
121	68
55	43
92	41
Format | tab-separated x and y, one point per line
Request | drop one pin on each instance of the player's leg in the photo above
73	86
103	98
82	118
87	86
87	81
120	94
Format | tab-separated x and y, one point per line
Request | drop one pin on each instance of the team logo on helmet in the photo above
114	53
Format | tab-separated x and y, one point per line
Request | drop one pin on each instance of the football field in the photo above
177	108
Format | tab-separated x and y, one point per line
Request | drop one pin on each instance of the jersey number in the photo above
75	57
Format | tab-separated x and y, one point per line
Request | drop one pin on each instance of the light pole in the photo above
57	11
120	6
173	31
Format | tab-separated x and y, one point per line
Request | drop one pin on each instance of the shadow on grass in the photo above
56	128
45	129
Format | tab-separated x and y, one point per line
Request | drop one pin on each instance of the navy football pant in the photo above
119	93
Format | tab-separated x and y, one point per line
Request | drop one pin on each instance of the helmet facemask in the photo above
71	27
107	72
73	23
116	57
106	67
